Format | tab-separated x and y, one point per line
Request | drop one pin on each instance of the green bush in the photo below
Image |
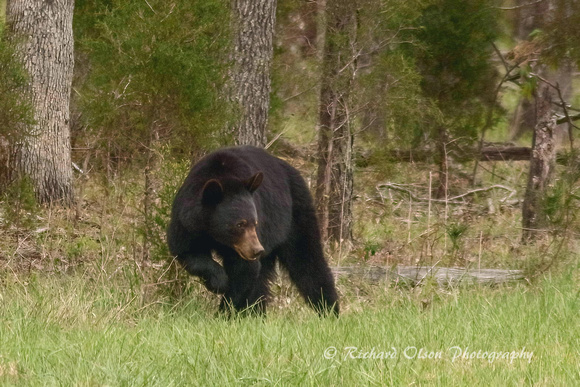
152	73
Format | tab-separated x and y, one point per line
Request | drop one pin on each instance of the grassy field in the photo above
81	329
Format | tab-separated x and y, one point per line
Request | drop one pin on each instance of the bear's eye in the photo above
241	224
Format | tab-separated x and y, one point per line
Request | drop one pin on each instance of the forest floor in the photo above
87	296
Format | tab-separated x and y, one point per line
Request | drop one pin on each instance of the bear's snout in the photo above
249	246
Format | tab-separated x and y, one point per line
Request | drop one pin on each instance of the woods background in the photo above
429	131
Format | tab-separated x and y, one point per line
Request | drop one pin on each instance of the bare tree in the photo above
253	29
542	164
335	142
44	37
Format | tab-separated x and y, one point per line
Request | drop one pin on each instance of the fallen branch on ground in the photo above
415	274
449	200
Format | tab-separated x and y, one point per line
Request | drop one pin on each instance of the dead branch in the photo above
573	117
567	118
530	4
450	200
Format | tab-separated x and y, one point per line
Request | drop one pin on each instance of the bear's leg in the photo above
209	271
243	281
261	294
304	260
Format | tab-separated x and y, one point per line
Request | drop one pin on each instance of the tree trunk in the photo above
44	36
335	174
530	16
253	29
542	165
527	18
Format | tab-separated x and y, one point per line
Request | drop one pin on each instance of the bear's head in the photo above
233	219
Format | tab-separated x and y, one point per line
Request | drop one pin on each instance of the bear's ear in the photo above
212	192
254	182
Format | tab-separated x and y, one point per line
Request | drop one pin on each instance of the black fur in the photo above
203	220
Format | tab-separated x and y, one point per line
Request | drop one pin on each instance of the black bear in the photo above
252	209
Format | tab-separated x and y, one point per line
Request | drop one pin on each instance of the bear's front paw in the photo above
217	283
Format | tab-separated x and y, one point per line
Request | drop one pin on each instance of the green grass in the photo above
112	329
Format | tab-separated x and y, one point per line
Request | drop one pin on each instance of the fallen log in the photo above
488	153
505	153
414	275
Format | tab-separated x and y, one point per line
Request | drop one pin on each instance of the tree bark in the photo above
527	18
44	36
542	165
335	142
253	29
